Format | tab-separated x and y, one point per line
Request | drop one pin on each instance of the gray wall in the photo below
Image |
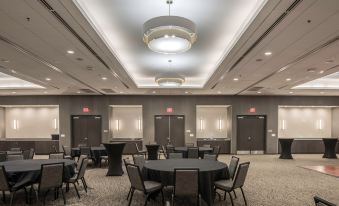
335	122
183	105
2	123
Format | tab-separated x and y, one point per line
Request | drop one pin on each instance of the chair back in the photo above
164	151
81	158
233	166
321	202
15	149
25	154
3	156
189	144
169	149
13	157
4	186
206	145
137	147
139	160
31	154
55	150
66	150
186	182
174	155
241	174
193	152
82	169
52	176
135	177
216	150
85	151
59	155
210	157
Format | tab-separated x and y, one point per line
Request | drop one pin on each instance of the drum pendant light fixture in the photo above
169	34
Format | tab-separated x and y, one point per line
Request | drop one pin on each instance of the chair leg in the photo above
44	200
76	189
243	194
84	181
12	197
231	198
225	196
3	196
130	200
63	195
84	185
146	199
162	197
129	192
235	195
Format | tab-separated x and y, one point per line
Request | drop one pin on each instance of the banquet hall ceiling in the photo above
267	48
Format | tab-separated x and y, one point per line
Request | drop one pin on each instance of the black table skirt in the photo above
114	152
96	152
25	172
330	146
208	173
202	151
152	151
286	148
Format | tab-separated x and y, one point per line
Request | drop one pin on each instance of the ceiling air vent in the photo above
254	89
87	91
108	91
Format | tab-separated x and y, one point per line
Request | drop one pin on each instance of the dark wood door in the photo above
86	129
169	129
251	134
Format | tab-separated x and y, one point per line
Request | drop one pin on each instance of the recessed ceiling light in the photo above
322	92
13	92
186	92
235	79
48	79
70	52
153	92
268	53
219	92
13	71
121	92
104	78
322	71
259	92
290	92
45	92
78	92
288	79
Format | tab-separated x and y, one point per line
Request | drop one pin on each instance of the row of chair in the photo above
17	155
51	178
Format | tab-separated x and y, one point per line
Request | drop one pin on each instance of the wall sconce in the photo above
283	125
55	124
139	124
320	125
220	124
117	124
201	123
15	124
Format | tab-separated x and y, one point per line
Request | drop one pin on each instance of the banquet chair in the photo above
189	144
3	156
31	154
87	151
140	151
237	182
233	165
137	183
206	145
193	152
210	157
127	161
13	157
51	178
175	156
26	154
67	152
169	149
216	150
17	149
321	202
163	152
5	186
139	160
59	155
103	157
78	164
78	176
186	184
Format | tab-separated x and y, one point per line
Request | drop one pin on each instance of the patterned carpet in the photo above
270	181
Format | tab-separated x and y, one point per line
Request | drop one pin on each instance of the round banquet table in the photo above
152	151
114	152
286	148
24	172
202	151
96	152
209	171
330	145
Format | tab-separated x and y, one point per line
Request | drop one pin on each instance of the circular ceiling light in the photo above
170	80
169	34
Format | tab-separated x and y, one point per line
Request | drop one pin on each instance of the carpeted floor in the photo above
270	181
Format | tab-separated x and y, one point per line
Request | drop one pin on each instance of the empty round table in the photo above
286	145
114	152
152	151
202	151
209	171
330	146
23	172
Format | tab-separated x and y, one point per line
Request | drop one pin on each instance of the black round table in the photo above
210	171
23	172
330	146
114	152
152	151
286	145
202	151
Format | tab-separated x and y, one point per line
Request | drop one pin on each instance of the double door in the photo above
86	130
251	134
170	129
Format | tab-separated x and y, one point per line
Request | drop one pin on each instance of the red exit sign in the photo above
169	109
85	109
252	110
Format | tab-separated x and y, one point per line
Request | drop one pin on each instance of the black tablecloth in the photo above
152	151
23	172
210	171
96	152
286	148
202	151
330	146
114	152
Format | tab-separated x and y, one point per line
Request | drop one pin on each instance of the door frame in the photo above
169	115
265	133
82	115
